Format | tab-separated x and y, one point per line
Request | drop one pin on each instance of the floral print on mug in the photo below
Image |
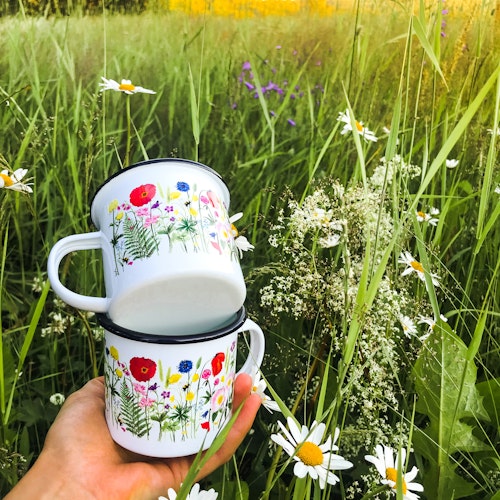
169	403
181	217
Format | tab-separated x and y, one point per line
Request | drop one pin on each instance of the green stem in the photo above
127	146
375	492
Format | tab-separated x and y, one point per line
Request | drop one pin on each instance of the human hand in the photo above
81	461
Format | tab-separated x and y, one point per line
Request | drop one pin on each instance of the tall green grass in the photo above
391	68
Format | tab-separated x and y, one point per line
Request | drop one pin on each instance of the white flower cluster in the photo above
386	170
320	282
59	321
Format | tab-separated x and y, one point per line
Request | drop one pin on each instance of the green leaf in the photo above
445	384
237	490
490	392
140	242
419	30
132	415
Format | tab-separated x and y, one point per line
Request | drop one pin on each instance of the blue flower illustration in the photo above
185	366
183	186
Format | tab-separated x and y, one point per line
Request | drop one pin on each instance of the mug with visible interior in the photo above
170	396
169	257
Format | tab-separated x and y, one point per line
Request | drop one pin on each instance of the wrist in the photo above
47	480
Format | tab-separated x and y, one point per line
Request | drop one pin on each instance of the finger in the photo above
242	388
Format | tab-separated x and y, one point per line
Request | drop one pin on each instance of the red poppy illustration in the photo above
205	425
143	369
142	194
217	363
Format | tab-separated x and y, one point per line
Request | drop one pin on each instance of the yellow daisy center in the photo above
310	454
421	214
126	86
359	126
392	475
7	181
417	266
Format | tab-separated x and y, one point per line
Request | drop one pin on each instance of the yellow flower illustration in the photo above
174	378
113	206
114	352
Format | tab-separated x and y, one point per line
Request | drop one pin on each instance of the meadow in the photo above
362	148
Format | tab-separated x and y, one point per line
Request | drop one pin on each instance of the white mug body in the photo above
171	396
169	257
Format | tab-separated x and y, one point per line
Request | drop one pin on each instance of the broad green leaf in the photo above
237	490
490	391
445	384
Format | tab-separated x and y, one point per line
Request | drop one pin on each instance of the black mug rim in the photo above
151	338
152	161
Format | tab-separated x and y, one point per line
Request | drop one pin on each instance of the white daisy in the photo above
194	494
386	466
13	181
242	244
259	387
408	325
494	131
431	322
414	266
363	131
451	163
313	458
125	86
428	217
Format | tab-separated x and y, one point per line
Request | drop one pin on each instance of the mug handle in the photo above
257	348
86	241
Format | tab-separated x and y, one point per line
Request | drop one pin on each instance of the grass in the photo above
391	68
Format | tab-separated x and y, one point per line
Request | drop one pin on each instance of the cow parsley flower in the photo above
386	466
125	86
13	181
451	163
313	458
57	399
363	131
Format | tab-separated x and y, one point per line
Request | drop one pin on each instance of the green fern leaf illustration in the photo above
132	415
141	242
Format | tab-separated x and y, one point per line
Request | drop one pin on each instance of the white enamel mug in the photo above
170	396
169	257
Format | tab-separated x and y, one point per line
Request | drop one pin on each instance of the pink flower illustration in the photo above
145	402
140	388
148	221
219	398
142	212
